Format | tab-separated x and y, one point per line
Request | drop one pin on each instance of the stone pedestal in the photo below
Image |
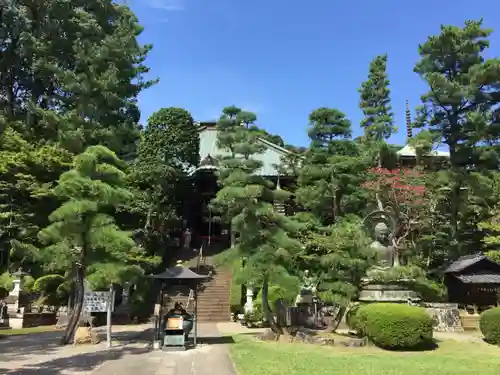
396	293
445	316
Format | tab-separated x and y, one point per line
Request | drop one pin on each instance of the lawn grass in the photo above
252	357
27	331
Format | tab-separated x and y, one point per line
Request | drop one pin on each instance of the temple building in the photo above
204	179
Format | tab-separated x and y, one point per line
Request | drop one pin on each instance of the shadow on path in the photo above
19	347
75	364
23	347
216	340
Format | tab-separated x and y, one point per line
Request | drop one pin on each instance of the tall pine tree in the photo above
247	200
333	170
375	102
83	236
461	109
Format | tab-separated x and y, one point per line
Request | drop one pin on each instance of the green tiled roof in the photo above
209	150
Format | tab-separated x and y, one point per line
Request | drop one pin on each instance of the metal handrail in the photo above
200	258
190	297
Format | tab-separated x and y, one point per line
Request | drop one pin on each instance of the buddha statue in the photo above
307	289
381	222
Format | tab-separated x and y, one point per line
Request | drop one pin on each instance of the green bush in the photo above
277	292
48	286
393	326
489	324
257	314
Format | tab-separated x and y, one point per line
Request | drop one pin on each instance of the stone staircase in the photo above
214	295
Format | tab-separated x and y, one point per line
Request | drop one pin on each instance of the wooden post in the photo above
111	302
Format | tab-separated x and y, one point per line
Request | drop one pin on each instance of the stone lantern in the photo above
18	282
15	299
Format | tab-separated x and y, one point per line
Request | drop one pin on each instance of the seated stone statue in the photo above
307	289
382	246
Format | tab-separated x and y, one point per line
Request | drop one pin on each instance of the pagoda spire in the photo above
409	133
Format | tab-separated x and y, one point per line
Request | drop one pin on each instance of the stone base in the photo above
387	293
445	316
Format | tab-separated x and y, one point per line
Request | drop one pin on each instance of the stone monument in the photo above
382	225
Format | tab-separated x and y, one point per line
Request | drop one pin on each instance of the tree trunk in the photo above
337	319
74	318
266	309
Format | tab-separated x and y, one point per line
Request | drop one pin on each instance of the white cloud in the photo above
167	5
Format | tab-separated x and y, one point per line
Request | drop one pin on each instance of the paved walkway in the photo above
211	357
132	357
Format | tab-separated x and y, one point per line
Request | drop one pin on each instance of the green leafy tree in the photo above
333	170
460	109
378	123
247	199
27	173
171	136
60	94
78	90
168	152
83	236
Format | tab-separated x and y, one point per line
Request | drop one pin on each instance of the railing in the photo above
200	259
190	298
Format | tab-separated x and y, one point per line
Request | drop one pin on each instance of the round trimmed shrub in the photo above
394	326
489	323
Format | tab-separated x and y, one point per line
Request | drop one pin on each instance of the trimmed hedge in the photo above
394	326
489	323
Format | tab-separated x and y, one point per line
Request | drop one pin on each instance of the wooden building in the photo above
473	280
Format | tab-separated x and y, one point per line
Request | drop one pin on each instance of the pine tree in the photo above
461	108
340	256
333	170
247	199
378	122
83	236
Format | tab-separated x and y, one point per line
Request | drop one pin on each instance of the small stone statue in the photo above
187	238
307	289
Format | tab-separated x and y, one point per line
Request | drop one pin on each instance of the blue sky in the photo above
284	58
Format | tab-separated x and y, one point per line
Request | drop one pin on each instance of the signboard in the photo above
174	323
97	301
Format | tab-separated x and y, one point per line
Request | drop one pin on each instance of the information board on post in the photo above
97	301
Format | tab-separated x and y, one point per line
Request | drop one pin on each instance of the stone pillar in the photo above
249	302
